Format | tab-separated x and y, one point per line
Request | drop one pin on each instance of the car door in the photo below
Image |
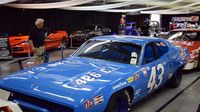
153	69
164	57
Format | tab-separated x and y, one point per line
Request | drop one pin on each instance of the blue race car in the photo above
106	74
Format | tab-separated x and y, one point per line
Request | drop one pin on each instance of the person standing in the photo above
36	41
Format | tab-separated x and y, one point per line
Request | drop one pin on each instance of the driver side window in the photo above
149	55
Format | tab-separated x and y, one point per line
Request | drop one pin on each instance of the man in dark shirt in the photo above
36	41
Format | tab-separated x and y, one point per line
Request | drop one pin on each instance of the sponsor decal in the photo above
137	92
88	78
119	85
191	19
88	104
152	84
136	77
144	71
130	79
109	69
162	44
98	99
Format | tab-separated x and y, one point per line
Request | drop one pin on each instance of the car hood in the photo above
66	81
16	40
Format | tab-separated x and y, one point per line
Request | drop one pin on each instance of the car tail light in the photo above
5	109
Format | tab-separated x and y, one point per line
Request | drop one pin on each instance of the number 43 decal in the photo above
152	81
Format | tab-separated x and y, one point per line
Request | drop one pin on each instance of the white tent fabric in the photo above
117	5
104	7
6	1
172	7
174	10
50	5
129	10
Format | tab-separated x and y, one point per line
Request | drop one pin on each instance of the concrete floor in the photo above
185	98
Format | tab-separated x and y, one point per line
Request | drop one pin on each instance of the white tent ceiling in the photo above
142	6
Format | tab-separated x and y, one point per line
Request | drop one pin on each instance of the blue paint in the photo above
63	82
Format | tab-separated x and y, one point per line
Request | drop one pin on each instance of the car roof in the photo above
141	40
187	29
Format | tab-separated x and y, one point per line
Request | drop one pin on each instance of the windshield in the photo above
175	35
184	36
127	53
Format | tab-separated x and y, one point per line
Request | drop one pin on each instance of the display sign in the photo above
5	53
188	19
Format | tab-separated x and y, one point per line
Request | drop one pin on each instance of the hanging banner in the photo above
5	52
184	19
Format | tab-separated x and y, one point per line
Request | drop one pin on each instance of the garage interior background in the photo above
15	21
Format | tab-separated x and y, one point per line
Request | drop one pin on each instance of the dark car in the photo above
87	32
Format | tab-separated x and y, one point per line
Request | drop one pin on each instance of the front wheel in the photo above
119	102
176	79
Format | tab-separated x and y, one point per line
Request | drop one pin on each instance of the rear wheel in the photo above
119	102
176	78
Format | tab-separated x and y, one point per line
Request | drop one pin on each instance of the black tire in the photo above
176	78
119	102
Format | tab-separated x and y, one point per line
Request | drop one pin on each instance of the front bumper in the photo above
191	65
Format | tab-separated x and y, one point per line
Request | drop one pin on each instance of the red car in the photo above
19	44
190	39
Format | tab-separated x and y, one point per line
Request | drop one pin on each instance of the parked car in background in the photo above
87	32
106	74
19	44
8	106
190	39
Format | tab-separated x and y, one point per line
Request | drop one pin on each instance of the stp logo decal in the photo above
88	104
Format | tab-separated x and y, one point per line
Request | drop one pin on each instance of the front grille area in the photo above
17	49
50	106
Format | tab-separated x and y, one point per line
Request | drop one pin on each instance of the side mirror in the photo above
134	58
